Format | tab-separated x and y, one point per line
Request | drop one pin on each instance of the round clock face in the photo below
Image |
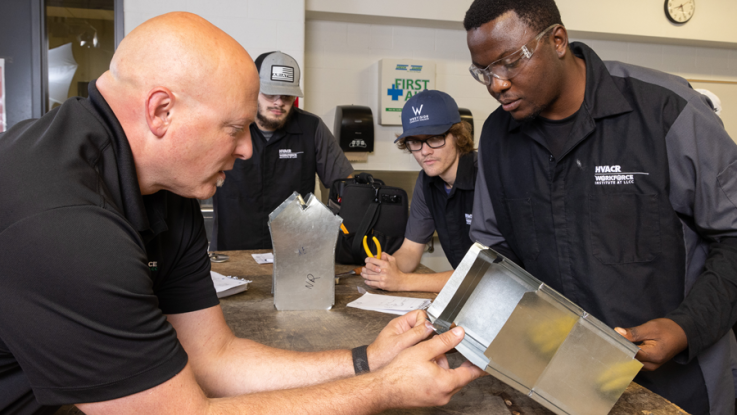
680	11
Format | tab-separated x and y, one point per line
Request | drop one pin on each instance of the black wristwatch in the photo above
360	360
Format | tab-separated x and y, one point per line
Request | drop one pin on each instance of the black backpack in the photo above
368	207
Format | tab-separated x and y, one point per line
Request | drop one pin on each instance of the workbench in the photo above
252	315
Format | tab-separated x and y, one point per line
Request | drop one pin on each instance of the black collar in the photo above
465	174
602	98
291	127
146	214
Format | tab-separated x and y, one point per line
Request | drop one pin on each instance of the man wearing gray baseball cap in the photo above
442	144
289	146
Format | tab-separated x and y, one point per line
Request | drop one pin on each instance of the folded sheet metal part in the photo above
531	337
304	237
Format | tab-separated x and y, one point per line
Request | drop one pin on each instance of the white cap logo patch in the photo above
282	73
418	117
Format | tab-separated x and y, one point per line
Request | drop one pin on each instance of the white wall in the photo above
713	21
342	68
340	44
259	25
339	54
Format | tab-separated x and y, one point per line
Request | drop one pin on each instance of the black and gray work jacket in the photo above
635	220
286	163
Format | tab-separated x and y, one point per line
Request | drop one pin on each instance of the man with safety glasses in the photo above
442	144
614	185
289	146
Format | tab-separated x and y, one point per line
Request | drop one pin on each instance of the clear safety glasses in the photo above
284	98
509	66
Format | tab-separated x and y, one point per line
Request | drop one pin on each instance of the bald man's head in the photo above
179	49
179	85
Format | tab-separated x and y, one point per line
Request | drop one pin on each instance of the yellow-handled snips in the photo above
368	251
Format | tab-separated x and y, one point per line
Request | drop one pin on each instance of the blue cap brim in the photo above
426	130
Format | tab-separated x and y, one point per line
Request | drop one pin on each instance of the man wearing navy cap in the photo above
289	146
443	197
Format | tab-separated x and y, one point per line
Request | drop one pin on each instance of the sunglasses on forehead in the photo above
509	66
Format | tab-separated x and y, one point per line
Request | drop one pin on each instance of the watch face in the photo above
680	11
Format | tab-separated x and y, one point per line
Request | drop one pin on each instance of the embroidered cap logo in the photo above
418	111
282	73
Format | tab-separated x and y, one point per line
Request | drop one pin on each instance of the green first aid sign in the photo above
411	84
399	80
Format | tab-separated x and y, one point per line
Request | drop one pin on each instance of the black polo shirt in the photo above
285	163
89	267
433	208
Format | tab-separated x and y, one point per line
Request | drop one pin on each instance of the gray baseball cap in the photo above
279	74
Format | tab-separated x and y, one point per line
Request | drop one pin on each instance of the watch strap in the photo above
360	360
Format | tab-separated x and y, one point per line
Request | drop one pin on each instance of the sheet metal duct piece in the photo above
304	237
531	337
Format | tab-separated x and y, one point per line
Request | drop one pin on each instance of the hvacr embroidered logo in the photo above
282	73
613	175
286	153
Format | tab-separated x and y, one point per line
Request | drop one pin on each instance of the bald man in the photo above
105	294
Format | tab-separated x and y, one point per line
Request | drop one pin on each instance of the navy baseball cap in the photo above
429	112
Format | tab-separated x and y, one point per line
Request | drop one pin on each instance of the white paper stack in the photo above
225	286
390	304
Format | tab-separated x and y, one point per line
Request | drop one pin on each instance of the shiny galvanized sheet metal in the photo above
533	338
304	235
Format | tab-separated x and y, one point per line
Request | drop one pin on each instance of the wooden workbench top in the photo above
252	315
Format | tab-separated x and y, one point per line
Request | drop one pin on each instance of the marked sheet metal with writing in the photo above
227	285
389	304
267	258
304	235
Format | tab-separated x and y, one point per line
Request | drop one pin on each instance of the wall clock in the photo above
680	11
